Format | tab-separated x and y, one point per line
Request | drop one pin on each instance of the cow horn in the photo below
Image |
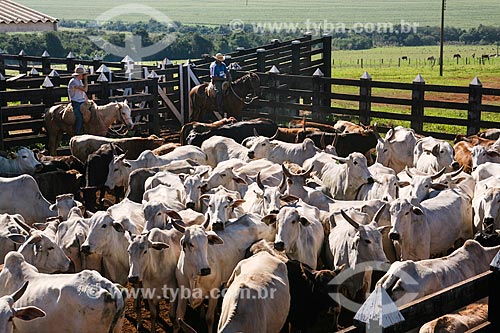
408	172
275	135
206	223
286	171
307	172
282	184
456	173
349	219
17	295
376	133
259	182
255	133
335	140
379	212
178	227
439	174
435	150
322	141
340	159
391	134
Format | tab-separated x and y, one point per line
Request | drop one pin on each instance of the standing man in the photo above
219	74
77	91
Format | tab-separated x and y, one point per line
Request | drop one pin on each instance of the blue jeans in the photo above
78	117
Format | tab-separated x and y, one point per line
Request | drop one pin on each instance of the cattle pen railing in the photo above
378	317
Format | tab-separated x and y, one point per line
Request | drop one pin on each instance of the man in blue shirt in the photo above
77	91
219	74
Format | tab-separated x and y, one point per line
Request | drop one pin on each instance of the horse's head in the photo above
253	83
125	114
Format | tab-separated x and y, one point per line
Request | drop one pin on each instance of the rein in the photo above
120	131
244	100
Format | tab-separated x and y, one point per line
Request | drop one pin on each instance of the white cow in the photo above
481	154
224	174
89	302
9	315
21	195
71	234
219	148
343	181
431	227
153	260
171	197
318	161
222	205
207	259
485	208
486	170
187	152
163	178
22	161
352	243
396	150
408	280
384	187
299	232
192	188
108	238
431	155
279	152
10	224
248	305
119	168
64	203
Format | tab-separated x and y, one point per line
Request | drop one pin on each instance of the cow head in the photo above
421	184
193	260
491	206
288	224
40	251
431	155
294	182
225	177
117	172
192	187
220	208
272	196
26	161
125	114
357	170
481	155
8	312
156	215
63	205
141	251
396	150
261	146
103	232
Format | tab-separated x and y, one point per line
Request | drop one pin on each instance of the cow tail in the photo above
120	307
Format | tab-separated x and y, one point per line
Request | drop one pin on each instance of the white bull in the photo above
481	155
89	302
219	148
396	150
242	308
9	315
431	155
21	195
280	152
22	161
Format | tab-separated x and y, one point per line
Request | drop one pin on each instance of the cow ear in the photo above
28	313
304	221
12	156
213	239
205	198
159	245
331	219
239	180
403	183
182	176
417	211
384	230
458	180
173	214
237	203
17	238
289	198
118	227
127	164
269	219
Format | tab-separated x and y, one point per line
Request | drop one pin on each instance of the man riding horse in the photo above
219	75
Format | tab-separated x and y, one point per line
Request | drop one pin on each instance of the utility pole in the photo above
443	8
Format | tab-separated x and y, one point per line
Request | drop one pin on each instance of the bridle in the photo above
244	99
120	131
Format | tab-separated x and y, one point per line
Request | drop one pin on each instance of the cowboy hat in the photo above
220	57
79	70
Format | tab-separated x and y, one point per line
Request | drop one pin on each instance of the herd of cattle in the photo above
246	207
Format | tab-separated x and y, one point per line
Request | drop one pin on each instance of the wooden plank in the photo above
446	105
390	100
15	78
171	105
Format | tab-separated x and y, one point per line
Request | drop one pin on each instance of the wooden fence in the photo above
284	97
432	306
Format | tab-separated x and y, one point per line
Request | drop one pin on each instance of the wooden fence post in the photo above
3	87
274	96
96	63
48	93
327	55
417	104
153	106
493	298
23	63
317	100
104	95
261	60
295	57
46	63
475	100
70	62
365	94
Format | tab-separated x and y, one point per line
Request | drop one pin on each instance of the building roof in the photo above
14	13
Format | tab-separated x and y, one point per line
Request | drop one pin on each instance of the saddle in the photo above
211	90
65	112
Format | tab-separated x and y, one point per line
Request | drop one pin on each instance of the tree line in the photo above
191	41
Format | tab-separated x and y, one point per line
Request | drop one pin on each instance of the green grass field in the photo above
459	13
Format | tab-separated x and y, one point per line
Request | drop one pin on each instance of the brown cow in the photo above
203	127
463	146
468	318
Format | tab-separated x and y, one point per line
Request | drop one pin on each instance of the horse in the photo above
457	56
96	120
234	98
